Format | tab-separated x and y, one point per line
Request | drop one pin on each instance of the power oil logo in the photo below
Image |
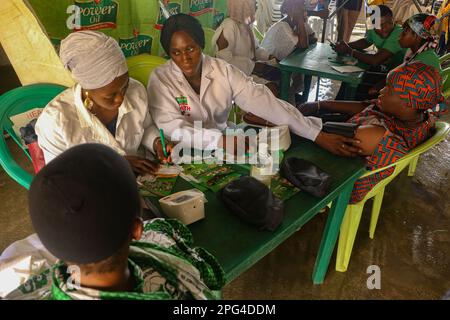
199	7
218	19
136	45
173	8
97	14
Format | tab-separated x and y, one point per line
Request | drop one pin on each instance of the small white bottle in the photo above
263	170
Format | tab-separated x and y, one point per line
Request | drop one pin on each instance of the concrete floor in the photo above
411	245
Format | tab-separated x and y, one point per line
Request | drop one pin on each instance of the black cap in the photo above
83	203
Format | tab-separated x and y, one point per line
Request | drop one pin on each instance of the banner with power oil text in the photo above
135	24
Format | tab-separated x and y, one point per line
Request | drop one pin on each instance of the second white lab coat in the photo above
175	105
239	51
65	123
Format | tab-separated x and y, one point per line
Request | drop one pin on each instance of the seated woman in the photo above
105	106
192	87
235	43
402	118
286	35
92	244
418	37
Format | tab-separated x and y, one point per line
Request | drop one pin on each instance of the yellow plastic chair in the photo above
141	66
446	82
258	35
209	49
353	213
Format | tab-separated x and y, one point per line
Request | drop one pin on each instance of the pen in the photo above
163	142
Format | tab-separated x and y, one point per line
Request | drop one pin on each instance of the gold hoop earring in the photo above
88	103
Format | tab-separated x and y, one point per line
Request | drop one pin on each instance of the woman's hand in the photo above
142	166
159	150
340	145
309	108
342	47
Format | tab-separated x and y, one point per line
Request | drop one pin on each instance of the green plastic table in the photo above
316	61
238	245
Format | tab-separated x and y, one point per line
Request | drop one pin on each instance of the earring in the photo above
88	103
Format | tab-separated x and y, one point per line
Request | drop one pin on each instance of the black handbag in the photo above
253	202
341	128
306	176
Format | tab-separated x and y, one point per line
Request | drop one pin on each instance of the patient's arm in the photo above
369	137
347	107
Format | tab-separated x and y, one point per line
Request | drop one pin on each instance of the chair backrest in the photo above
15	102
209	48
442	130
446	82
141	66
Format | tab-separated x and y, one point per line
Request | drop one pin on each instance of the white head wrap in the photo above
94	59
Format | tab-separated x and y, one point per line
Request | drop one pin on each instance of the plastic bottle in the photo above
263	170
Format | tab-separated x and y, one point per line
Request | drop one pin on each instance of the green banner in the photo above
97	14
135	24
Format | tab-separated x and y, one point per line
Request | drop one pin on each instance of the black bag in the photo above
252	201
341	128
306	176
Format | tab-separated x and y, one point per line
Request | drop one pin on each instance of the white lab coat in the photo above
280	40
65	123
221	84
239	51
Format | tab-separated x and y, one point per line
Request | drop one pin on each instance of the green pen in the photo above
163	142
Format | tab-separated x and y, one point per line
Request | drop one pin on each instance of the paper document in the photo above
347	69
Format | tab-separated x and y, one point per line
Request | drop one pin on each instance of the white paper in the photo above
347	69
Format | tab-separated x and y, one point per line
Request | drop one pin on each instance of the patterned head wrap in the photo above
419	85
94	59
422	24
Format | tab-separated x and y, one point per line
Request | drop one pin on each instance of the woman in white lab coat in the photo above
235	43
105	106
193	87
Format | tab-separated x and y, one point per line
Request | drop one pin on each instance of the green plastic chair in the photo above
141	66
15	102
353	213
209	49
444	58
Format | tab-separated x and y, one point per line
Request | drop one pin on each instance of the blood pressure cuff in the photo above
253	202
306	176
341	128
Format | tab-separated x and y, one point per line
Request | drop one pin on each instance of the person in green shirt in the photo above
388	56
85	208
386	40
418	37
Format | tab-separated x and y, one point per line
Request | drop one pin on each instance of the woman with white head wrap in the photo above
235	43
105	106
